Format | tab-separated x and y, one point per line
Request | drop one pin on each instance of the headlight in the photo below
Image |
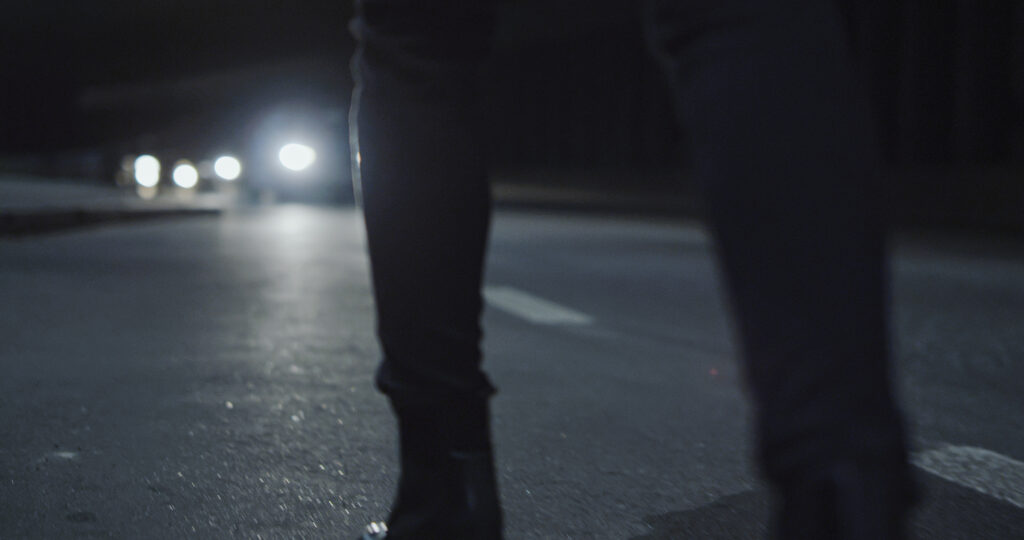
227	167
296	157
185	175
147	170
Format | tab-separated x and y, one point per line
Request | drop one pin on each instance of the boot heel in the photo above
482	507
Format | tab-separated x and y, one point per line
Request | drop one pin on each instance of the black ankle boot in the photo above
480	508
847	501
447	489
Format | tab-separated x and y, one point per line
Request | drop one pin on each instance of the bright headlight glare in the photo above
147	170
296	156
227	167
185	175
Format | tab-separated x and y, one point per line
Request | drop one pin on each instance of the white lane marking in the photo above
534	309
981	470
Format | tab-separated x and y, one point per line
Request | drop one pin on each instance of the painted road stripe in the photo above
534	309
981	470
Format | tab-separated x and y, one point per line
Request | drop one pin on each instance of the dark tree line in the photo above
947	78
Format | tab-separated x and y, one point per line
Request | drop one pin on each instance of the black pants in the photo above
784	147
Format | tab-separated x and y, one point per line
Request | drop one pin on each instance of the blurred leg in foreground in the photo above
785	145
426	202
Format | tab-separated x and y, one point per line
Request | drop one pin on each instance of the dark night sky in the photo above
947	76
120	39
114	60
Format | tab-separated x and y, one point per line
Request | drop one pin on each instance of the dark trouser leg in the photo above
424	190
784	142
427	209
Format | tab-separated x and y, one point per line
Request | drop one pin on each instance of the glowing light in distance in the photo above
296	156
227	167
185	175
147	170
146	193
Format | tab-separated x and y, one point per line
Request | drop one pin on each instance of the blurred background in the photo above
575	100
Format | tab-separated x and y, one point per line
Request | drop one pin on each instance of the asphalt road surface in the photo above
211	377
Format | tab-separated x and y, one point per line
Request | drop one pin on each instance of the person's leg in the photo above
784	142
420	172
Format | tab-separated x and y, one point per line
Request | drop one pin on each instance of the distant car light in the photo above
296	156
227	167
147	170
185	175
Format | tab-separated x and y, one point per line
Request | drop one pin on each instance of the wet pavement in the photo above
212	378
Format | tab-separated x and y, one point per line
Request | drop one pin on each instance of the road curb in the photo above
32	222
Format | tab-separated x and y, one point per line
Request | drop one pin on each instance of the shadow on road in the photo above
743	515
948	512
